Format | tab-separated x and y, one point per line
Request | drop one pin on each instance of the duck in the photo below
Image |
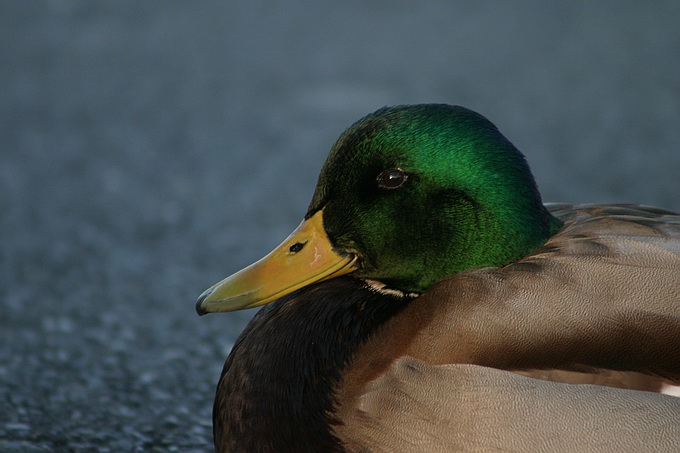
430	301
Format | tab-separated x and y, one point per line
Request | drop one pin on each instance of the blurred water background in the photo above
148	149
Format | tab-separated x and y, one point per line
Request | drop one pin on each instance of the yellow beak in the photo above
305	257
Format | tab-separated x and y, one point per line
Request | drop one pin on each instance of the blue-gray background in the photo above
148	149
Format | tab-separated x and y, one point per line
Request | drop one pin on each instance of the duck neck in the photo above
276	389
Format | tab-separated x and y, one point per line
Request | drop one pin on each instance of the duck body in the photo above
426	278
311	366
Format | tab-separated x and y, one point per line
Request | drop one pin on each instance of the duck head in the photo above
408	196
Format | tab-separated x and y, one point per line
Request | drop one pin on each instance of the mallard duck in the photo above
426	277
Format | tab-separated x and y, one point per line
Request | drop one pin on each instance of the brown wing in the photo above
600	302
418	407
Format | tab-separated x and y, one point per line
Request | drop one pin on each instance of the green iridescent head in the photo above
420	192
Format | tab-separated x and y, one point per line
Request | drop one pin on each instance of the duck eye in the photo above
392	178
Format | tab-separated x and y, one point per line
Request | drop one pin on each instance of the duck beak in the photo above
305	257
